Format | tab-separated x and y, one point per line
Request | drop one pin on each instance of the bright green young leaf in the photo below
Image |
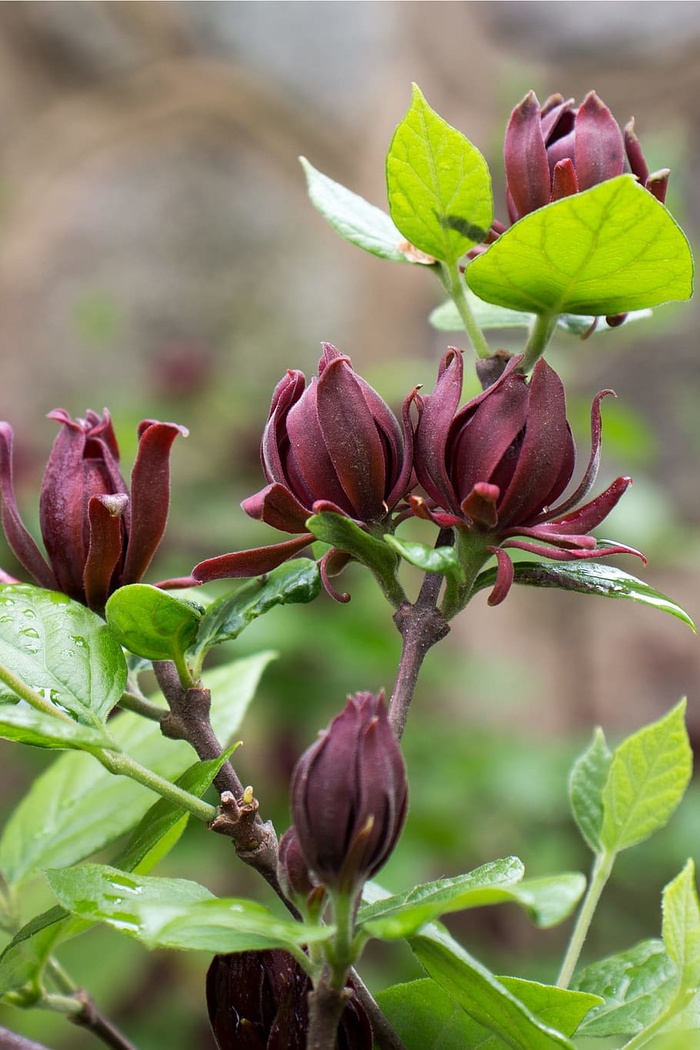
586	782
446	318
152	623
28	726
608	250
648	777
61	650
438	184
175	913
354	218
76	807
481	994
294	582
429	559
681	926
606	581
637	986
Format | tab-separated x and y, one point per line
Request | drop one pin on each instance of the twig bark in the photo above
11	1041
100	1026
188	719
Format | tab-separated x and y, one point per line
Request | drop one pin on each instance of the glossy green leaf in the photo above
608	250
446	318
429	559
175	913
76	807
637	986
24	959
294	582
587	577
354	218
586	782
681	926
648	777
61	650
427	1018
438	184
481	994
152	623
548	900
561	1008
403	913
28	726
100	893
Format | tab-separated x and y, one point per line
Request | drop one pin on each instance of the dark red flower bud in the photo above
257	1000
557	149
97	536
292	869
332	445
349	795
499	464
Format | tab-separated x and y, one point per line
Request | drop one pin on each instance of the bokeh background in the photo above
158	255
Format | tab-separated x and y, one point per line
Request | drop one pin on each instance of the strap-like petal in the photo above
150	497
249	563
19	539
106	547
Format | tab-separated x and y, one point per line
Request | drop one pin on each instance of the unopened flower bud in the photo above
257	1000
349	795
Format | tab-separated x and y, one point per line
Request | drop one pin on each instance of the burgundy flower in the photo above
499	464
554	150
333	445
349	795
257	1000
97	536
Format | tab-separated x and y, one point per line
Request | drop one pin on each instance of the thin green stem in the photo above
141	706
453	282
63	981
540	334
602	868
343	956
122	765
36	700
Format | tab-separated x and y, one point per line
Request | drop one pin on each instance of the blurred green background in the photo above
158	255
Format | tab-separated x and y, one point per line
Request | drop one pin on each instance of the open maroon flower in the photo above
97	536
349	795
499	464
333	445
557	149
